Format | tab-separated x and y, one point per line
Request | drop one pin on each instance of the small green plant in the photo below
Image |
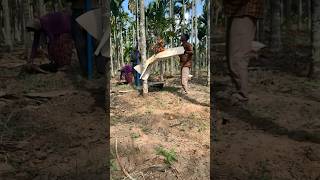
135	135
169	155
113	165
146	129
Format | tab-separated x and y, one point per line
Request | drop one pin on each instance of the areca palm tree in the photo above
142	43
7	24
159	26
316	39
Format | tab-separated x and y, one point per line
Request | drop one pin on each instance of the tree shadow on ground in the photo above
262	123
176	91
96	90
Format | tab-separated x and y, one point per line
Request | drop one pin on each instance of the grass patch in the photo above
146	130
135	135
114	120
169	155
113	165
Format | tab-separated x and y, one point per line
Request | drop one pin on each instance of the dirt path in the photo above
278	137
165	119
52	125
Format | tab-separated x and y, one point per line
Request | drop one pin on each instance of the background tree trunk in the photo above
300	25
316	38
7	25
276	43
208	42
105	4
2	33
26	35
42	8
309	15
194	41
143	42
172	70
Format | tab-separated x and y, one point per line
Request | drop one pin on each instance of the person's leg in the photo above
185	78
242	32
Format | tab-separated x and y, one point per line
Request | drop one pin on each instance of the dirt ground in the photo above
52	125
278	135
164	118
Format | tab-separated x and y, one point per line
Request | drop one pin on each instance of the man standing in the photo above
135	59
242	17
185	62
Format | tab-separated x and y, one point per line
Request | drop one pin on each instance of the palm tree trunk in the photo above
276	43
121	46
106	25
143	42
111	57
289	6
2	33
171	39
7	25
282	11
42	8
137	21
300	15
315	70
184	20
193	32
309	15
26	17
208	43
161	70
196	42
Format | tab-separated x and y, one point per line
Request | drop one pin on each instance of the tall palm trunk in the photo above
183	16
289	6
197	44
300	14
134	36
2	33
42	8
111	57
161	70
194	38
276	43
208	42
121	46
309	15
105	6
282	11
137	21
143	42
7	25
26	18
171	38
315	70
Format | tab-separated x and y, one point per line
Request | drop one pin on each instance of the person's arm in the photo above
35	45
